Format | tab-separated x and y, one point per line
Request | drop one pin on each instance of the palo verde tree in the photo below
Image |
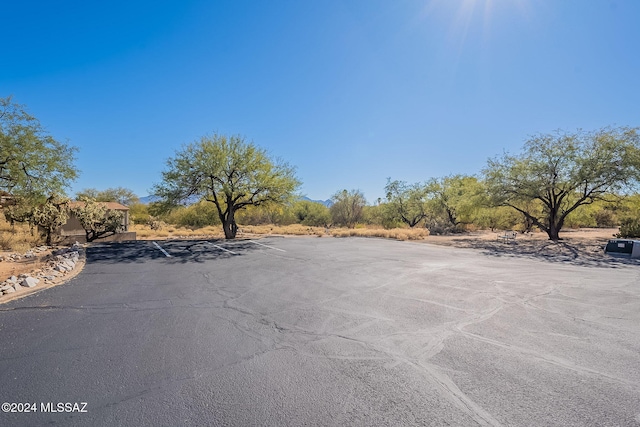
32	163
228	172
406	202
564	171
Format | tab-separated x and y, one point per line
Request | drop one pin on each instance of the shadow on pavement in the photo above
180	251
574	253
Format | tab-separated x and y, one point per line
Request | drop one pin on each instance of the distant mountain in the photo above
327	202
149	199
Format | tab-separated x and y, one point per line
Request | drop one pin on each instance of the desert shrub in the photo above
267	214
311	213
17	237
291	229
347	208
497	218
581	217
139	213
397	233
156	225
605	218
629	228
200	214
382	215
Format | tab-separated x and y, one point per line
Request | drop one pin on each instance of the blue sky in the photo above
350	92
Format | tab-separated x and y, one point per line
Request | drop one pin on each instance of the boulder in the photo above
30	282
61	268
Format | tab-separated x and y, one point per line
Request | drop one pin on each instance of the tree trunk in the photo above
229	225
555	225
552	232
528	224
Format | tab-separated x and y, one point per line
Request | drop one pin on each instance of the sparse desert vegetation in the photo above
17	237
227	186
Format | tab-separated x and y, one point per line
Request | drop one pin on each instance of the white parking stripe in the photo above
267	246
163	251
220	247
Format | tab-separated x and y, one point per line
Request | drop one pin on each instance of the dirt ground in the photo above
582	246
24	265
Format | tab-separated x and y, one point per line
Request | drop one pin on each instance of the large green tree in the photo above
454	201
229	172
32	163
406	202
564	171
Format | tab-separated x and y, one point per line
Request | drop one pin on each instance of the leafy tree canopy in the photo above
32	163
406	202
229	172
453	201
564	171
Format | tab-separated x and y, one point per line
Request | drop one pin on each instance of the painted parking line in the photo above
267	246
224	249
163	251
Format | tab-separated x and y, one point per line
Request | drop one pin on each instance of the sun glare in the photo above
472	22
466	13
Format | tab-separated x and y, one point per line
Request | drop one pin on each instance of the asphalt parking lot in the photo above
323	331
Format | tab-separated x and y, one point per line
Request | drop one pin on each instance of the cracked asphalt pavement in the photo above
317	331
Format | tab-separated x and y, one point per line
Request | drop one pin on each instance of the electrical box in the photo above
623	248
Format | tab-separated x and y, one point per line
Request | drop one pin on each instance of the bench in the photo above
508	235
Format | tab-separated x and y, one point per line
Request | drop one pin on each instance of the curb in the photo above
57	271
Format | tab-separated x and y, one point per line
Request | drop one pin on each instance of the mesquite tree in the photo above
564	171
228	172
32	163
407	202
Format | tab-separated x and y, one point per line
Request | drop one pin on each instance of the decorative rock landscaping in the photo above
61	263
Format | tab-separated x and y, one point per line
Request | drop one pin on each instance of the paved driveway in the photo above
318	331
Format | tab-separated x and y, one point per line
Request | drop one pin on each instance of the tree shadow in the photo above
179	251
564	252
